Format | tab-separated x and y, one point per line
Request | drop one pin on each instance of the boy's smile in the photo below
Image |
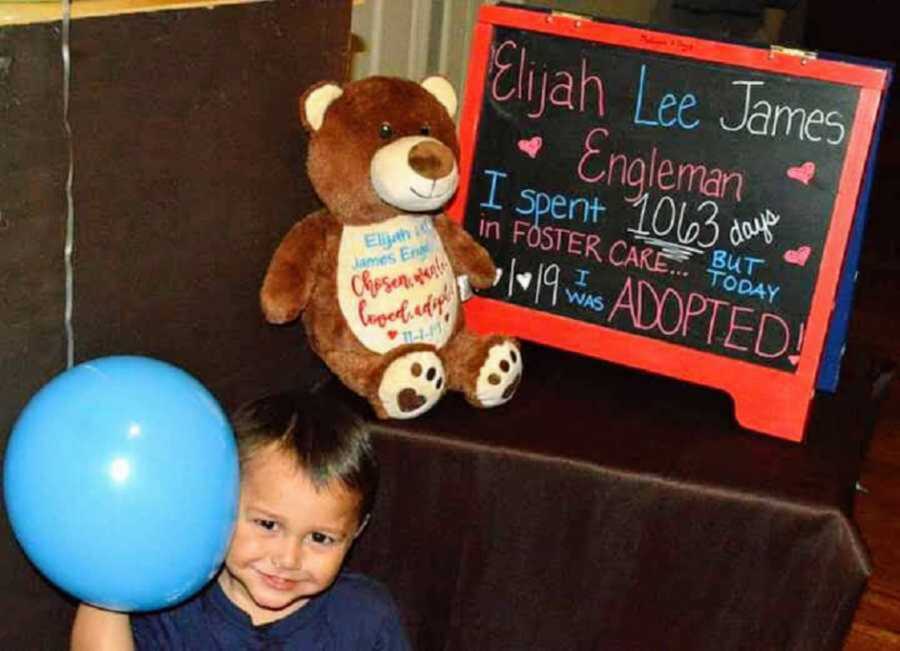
290	539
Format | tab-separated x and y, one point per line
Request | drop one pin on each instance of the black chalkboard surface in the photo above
661	187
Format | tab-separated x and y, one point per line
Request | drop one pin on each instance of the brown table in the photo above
605	508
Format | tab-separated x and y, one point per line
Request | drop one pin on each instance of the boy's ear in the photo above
362	526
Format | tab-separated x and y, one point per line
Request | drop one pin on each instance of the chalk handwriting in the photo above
622	254
537	204
642	172
670	224
742	231
495	175
545	282
664	116
514	79
557	240
587	300
763	118
646	307
734	274
652	197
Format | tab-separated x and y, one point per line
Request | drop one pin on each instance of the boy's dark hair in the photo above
323	434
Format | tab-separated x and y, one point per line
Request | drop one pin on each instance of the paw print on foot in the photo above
500	374
412	384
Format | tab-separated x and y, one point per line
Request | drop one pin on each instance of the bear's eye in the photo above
385	131
425	130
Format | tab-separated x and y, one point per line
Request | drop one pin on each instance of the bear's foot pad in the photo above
412	384
500	374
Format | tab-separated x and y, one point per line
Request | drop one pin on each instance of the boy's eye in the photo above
268	525
320	538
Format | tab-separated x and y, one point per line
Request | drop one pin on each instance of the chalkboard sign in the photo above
672	203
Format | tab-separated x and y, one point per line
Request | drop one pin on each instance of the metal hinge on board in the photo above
804	55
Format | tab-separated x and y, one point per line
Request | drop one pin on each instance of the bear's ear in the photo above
315	101
443	91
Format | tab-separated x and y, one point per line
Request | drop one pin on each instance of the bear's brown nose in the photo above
431	159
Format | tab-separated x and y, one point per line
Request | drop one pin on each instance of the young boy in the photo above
308	480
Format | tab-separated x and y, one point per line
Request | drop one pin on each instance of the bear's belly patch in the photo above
395	285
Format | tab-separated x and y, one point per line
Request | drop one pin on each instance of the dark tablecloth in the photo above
605	508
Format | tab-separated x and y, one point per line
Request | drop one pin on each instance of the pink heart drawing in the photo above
803	173
797	256
532	146
794	359
391	334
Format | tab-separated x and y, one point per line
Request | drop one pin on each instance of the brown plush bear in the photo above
375	272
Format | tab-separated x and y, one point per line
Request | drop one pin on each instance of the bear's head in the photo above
381	146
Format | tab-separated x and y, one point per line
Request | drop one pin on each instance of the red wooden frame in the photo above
766	400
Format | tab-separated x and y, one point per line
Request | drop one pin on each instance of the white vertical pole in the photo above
419	27
446	26
376	35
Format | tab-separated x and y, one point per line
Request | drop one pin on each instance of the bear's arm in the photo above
291	277
467	256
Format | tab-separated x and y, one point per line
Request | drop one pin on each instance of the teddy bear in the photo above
375	272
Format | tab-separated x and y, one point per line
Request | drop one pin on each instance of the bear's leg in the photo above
403	383
486	369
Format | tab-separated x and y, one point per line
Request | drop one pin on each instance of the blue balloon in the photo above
121	483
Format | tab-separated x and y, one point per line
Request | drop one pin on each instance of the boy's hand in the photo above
101	630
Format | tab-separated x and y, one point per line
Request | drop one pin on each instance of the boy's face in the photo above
290	539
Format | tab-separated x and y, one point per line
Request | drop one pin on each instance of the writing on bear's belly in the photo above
371	285
395	283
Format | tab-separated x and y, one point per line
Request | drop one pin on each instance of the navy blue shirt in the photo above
354	614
